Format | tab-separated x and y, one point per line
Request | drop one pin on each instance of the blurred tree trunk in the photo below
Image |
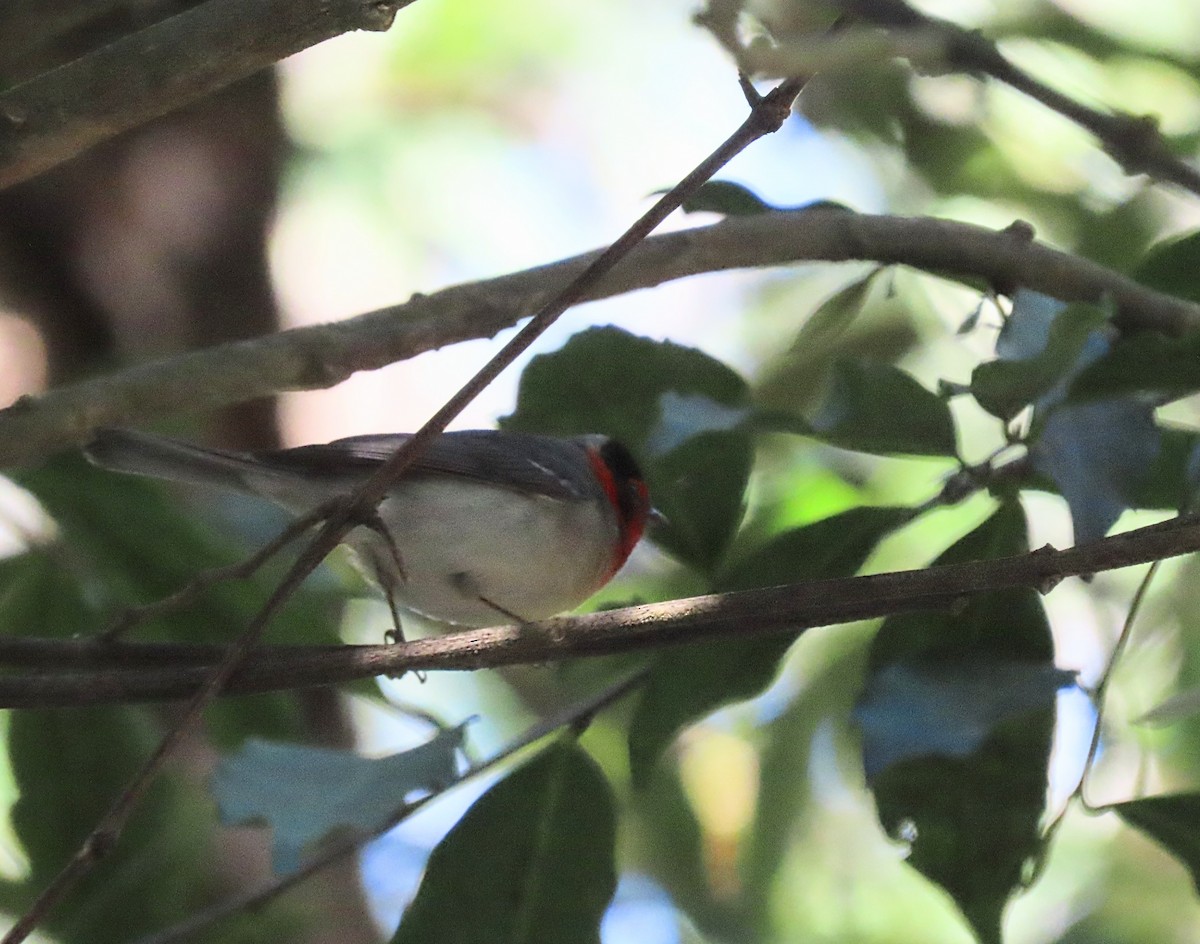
152	244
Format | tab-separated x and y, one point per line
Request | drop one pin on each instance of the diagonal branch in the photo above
323	355
1133	141
56	115
766	116
162	671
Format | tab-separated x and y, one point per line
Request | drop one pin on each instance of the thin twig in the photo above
1133	141
58	114
743	615
764	119
346	845
1101	691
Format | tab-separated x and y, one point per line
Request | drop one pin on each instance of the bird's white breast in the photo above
474	553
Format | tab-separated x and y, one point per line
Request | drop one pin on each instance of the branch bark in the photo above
144	671
324	355
60	113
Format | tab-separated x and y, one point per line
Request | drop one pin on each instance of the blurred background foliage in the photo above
476	139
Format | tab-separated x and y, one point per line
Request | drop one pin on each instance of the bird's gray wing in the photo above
524	462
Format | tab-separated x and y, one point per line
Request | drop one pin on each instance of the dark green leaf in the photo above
974	627
139	546
1172	820
879	408
972	821
1168	368
306	793
1171	481
723	196
832	547
699	487
1005	387
1173	267
679	410
695	680
69	765
1098	454
835	314
531	861
610	381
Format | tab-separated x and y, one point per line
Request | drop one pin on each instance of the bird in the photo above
485	526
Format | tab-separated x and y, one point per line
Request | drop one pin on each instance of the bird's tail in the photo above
123	450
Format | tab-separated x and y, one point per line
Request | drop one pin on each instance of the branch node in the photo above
753	97
1135	142
1021	231
99	844
378	15
1048	583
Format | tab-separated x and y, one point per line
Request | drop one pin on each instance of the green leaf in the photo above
723	196
531	861
1005	387
1173	821
1173	267
1168	368
68	766
699	487
682	413
693	681
835	314
972	821
306	793
835	546
1171	480
879	408
973	628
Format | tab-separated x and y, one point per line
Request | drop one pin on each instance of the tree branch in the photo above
1133	141
58	114
146	671
324	355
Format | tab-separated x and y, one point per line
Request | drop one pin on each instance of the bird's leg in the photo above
466	584
385	575
502	611
373	522
396	633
